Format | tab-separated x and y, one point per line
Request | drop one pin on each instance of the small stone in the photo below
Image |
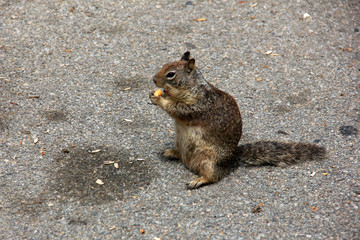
282	132
306	15
190	46
99	181
356	190
65	150
348	130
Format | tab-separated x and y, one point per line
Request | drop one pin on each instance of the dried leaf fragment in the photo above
42	150
201	19
258	208
99	181
282	132
35	96
142	231
108	162
65	150
96	151
346	49
314	209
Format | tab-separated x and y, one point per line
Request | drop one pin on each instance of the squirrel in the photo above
209	127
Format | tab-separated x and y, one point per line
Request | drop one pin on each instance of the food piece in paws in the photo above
158	93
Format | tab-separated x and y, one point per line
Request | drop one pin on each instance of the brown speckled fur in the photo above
209	126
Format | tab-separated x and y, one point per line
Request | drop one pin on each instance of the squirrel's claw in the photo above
194	184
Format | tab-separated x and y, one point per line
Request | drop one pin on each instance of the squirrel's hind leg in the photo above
205	165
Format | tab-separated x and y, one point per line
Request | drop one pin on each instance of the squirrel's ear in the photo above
190	65
185	57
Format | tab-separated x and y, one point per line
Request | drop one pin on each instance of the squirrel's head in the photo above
177	78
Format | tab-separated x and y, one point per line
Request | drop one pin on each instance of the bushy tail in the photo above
279	153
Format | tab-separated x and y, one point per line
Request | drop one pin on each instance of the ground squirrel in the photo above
209	126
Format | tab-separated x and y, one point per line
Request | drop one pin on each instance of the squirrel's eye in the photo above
170	75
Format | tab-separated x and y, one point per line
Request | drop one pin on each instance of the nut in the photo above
158	93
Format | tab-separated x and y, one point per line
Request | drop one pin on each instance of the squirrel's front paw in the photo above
154	98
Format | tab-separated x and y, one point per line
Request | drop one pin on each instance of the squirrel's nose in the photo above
154	80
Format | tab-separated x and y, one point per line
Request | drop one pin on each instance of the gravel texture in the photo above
75	77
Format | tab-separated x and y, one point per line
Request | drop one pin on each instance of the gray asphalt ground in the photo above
75	78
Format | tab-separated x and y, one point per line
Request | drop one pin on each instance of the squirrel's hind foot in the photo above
171	154
194	184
